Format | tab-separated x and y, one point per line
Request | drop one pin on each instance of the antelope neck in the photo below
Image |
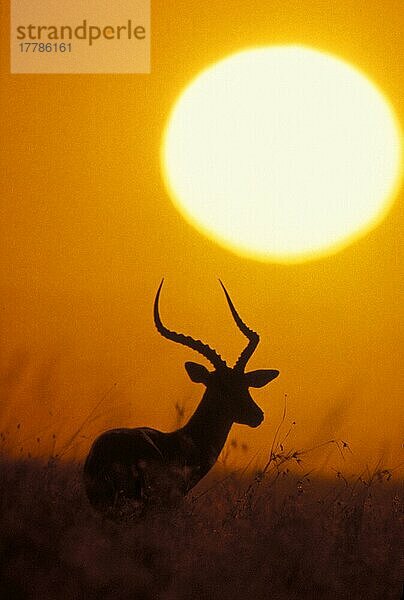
209	427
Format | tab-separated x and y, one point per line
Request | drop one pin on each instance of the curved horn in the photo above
212	356
252	336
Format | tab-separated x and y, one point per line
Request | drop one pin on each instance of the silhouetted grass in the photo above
274	537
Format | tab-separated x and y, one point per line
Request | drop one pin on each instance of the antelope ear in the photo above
257	379
197	373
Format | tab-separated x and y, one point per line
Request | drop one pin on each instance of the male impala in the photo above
145	465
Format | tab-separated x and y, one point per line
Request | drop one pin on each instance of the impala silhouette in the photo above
145	466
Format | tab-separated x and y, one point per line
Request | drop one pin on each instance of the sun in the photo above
282	153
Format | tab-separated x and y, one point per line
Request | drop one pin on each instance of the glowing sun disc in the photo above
282	153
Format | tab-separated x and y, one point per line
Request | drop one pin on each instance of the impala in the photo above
145	466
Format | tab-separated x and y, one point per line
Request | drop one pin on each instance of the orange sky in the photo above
88	230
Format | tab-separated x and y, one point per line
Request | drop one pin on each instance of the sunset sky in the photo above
88	230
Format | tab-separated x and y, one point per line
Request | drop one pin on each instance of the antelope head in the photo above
227	386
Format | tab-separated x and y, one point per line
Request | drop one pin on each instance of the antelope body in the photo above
148	466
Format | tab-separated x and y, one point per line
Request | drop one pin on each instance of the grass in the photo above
277	533
272	536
